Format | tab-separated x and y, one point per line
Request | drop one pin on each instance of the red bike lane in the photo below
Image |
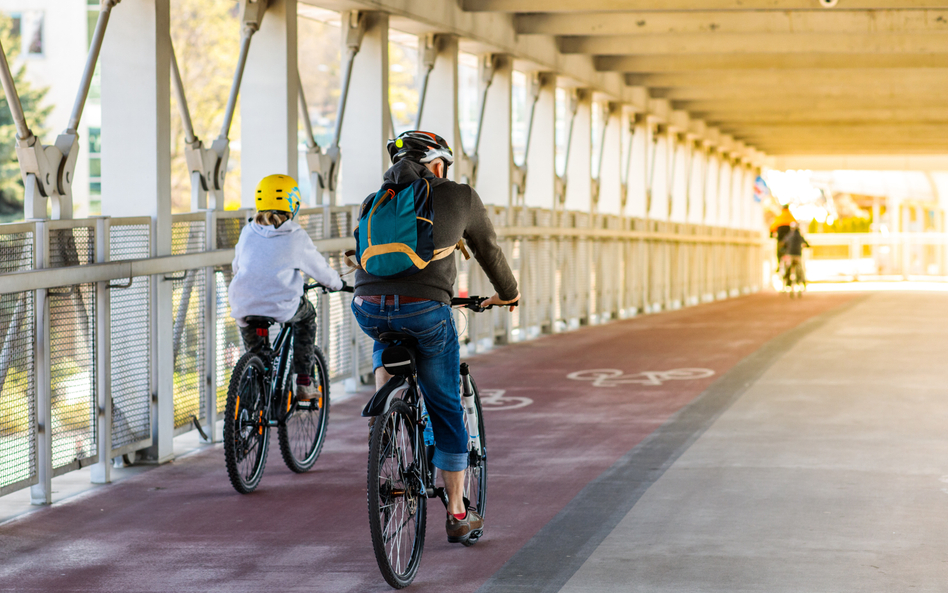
181	527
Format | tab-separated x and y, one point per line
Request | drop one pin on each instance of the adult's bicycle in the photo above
401	476
260	397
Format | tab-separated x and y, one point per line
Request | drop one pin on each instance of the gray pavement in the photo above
829	473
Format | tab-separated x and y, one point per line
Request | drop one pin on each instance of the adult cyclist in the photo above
419	305
780	227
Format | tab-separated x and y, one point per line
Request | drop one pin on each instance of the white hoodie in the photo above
267	266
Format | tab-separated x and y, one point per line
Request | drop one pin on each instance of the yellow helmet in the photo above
278	192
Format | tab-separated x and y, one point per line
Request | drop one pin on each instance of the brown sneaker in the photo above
461	530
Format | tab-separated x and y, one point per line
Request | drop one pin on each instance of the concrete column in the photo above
269	101
494	177
541	162
712	186
737	196
724	191
136	167
610	172
638	169
699	165
660	171
579	168
365	128
679	190
441	104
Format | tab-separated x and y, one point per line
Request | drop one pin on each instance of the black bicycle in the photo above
401	476
260	396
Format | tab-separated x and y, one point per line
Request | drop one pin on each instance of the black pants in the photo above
304	325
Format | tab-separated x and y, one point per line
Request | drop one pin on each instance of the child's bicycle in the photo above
260	396
794	279
401	476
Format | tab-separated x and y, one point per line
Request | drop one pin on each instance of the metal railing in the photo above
78	298
865	255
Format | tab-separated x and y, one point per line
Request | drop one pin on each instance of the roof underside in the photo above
787	77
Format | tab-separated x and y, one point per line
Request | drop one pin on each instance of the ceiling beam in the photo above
878	162
753	61
688	5
796	78
843	115
738	21
791	105
806	93
762	44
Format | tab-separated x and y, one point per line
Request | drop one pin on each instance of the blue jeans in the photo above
439	359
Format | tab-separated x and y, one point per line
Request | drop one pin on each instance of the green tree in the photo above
206	38
11	184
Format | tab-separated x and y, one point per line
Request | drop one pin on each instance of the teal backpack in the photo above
395	234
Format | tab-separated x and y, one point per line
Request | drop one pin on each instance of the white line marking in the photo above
615	377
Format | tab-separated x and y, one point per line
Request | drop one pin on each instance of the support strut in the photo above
561	180
537	80
467	163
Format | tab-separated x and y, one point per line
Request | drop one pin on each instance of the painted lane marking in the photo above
494	399
615	377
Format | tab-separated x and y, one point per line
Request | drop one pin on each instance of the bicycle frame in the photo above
277	377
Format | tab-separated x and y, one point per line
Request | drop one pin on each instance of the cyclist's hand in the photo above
495	300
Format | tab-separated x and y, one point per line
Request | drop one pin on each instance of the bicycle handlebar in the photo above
326	289
474	303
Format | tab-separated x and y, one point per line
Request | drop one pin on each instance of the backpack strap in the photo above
446	251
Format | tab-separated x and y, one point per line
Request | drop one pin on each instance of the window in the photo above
28	25
95	162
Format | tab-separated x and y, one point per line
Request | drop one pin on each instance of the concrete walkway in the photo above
829	473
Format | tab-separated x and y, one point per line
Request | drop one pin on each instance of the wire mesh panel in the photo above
72	351
189	331
17	390
338	347
130	314
228	341
312	223
228	231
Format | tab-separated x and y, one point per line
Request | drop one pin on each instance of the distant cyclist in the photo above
780	227
419	304
270	254
793	243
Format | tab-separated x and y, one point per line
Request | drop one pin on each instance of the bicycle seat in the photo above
397	337
259	321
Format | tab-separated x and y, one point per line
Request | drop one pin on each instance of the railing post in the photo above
41	492
102	470
210	328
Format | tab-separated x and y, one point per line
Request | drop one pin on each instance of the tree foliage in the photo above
31	98
206	37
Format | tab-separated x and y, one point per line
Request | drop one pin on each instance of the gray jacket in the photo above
459	213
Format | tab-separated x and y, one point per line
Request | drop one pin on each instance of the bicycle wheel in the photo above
246	433
303	432
396	497
475	478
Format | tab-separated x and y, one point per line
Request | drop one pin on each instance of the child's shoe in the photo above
305	389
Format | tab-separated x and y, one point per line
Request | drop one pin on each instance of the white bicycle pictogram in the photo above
615	377
494	399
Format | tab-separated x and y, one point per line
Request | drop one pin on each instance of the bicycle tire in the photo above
303	431
396	499
246	443
475	477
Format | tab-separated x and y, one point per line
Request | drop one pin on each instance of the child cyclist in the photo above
270	254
